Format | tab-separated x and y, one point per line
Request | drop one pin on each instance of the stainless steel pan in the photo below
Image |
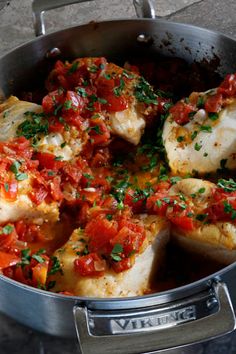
196	312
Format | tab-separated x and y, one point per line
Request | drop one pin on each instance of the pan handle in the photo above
203	316
144	8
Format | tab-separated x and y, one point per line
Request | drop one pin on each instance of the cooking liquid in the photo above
181	267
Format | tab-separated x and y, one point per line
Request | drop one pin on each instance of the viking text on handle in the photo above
159	320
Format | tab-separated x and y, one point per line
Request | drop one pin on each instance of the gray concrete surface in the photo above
15	28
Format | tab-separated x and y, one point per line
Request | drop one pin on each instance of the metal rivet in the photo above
144	38
53	53
211	303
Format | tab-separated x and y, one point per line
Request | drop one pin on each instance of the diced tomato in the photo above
100	231
83	214
8	272
55	126
90	196
214	103
67	293
122	265
49	161
157	203
228	87
134	69
52	101
90	265
105	86
39	190
101	158
8	238
180	112
20	276
17	147
72	173
222	207
135	201
87	151
40	272
163	186
73	103
8	259
181	218
27	233
101	183
60	67
9	190
110	203
99	133
131	240
55	189
115	103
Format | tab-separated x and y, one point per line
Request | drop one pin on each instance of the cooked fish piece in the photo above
67	145
214	240
16	114
132	282
24	208
203	144
12	114
130	123
131	101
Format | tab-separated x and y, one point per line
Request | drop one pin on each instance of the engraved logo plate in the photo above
156	321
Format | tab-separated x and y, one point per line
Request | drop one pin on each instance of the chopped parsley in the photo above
206	128
159	203
117	249
213	116
58	158
144	92
194	134
93	69
228	186
63	144
38	258
109	217
73	67
201	217
33	125
25	257
200	102
7	230
84	252
180	138
201	190
56	266
88	176
81	91
197	147
67	104
118	89
228	209
175	179
15	169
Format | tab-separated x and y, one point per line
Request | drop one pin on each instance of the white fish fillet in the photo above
132	282
215	240
206	151
24	208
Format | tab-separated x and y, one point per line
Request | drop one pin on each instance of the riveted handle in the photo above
144	8
206	315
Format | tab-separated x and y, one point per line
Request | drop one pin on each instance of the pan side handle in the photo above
203	316
144	8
